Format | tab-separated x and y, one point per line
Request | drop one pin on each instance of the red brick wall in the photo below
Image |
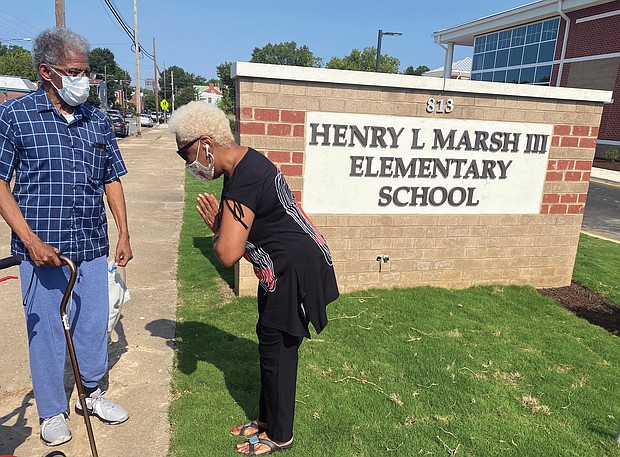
277	123
569	170
590	38
610	121
600	36
10	95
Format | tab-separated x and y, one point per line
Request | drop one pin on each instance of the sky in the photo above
200	35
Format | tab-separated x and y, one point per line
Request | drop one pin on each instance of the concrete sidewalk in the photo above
141	352
605	175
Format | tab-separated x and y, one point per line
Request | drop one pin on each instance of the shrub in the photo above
612	155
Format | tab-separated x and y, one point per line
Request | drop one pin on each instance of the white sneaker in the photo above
54	430
104	408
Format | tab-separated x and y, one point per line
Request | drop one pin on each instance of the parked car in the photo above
119	125
145	120
114	112
154	117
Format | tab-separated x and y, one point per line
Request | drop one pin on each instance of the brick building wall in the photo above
453	251
593	38
10	95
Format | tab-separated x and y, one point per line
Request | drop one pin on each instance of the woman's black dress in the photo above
289	255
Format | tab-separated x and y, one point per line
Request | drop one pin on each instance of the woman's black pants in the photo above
278	375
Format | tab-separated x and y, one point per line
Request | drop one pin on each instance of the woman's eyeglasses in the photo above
182	151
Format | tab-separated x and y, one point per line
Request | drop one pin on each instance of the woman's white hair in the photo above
199	118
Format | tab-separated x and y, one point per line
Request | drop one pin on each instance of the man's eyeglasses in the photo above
74	71
182	151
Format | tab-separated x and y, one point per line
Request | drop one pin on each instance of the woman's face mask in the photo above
75	89
198	170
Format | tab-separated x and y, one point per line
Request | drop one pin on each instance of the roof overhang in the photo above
16	84
464	34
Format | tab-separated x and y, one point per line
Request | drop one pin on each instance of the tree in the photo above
286	54
225	104
185	95
364	61
103	63
417	72
93	97
123	79
184	83
149	102
227	84
16	61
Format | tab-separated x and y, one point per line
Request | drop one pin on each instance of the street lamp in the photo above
381	33
2	40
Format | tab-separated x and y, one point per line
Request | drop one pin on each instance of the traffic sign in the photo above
164	104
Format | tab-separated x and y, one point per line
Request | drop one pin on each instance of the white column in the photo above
447	66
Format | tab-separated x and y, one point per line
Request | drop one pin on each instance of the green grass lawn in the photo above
423	371
598	267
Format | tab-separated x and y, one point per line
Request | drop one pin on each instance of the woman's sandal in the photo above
273	447
252	424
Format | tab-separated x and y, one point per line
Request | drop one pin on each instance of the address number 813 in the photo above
439	106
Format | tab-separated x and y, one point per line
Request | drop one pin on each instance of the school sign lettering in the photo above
371	164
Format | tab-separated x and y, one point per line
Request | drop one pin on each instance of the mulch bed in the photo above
607	164
585	304
588	305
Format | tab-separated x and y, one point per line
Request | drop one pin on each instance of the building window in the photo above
501	58
477	62
543	75
504	39
516	56
521	55
499	76
527	75
492	42
512	76
518	36
530	54
479	44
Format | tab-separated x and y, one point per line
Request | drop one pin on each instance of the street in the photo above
133	127
602	213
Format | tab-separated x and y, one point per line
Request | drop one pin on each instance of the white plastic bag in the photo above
117	293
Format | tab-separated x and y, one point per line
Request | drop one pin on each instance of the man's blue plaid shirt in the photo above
60	171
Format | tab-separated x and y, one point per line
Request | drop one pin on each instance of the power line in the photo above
110	17
128	30
17	25
119	18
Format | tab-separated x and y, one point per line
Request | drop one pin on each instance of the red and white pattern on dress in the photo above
263	266
293	209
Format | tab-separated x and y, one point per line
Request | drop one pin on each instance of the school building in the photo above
568	43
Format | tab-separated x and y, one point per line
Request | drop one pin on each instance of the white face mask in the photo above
198	170
75	89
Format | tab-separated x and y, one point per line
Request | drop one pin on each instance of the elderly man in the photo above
64	157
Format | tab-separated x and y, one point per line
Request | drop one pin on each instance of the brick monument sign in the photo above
424	181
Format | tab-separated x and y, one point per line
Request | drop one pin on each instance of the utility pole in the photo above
123	104
136	43
172	83
105	80
60	13
155	83
165	91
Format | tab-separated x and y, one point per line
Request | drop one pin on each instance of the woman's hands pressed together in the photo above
208	207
